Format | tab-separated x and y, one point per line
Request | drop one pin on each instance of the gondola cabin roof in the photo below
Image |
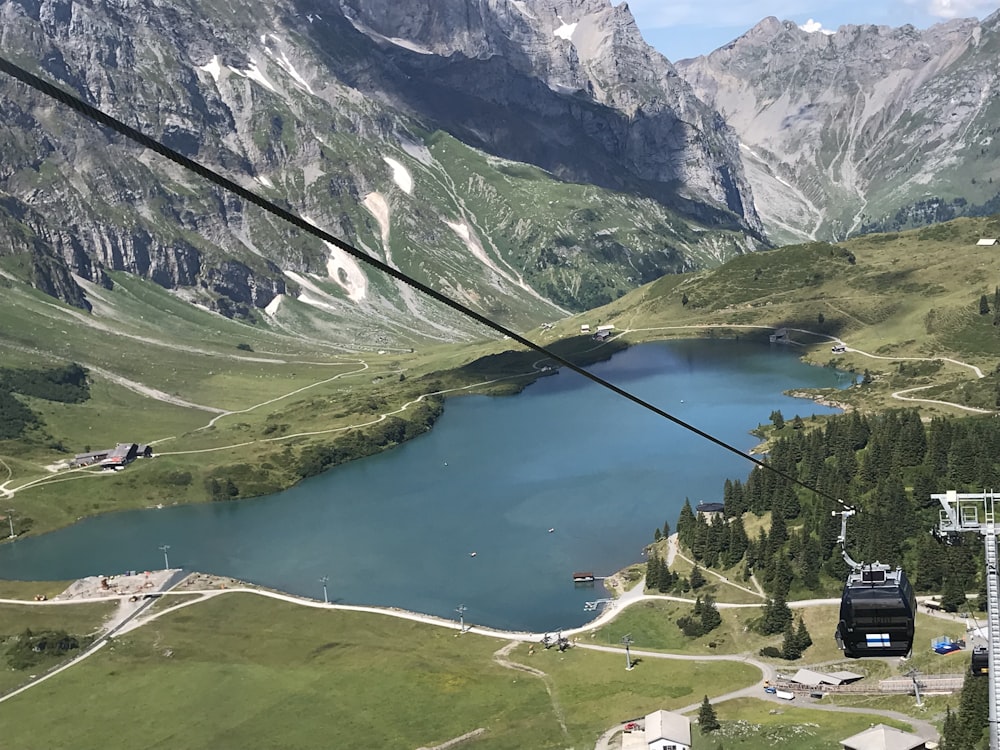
876	575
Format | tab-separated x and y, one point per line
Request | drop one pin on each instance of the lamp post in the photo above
10	518
323	580
461	617
166	561
627	640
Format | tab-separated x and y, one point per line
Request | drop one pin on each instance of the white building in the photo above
881	737
663	730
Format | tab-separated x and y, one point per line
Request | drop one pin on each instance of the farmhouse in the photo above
118	457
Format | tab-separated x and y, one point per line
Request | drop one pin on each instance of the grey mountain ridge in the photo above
527	157
869	128
522	172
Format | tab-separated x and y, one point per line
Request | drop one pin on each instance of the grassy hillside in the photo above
243	671
895	297
251	408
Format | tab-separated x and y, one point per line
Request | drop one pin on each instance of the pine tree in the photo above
953	595
951	732
685	523
802	638
973	711
652	571
984	305
696	579
710	617
790	650
707	720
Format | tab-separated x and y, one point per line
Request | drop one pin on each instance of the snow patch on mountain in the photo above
400	175
344	271
273	305
376	205
523	8
566	30
213	68
255	74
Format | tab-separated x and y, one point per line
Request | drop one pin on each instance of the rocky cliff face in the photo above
845	131
616	112
528	158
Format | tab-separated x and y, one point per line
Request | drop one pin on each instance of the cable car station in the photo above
967	512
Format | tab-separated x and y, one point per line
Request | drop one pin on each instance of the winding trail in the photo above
896	395
500	656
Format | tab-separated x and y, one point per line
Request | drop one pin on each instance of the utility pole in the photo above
461	617
323	580
913	674
166	562
627	640
10	517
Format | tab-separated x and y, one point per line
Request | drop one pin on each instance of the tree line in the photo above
67	384
885	465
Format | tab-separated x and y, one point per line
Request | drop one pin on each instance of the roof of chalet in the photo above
988	241
810	677
667	725
881	737
710	507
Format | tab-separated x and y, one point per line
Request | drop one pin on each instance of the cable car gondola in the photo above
877	608
877	612
980	661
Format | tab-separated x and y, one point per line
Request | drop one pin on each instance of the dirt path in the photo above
500	657
673	552
454	741
897	395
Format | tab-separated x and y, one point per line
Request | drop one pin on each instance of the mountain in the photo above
527	158
868	128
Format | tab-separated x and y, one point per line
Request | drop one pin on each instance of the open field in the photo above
759	725
30	589
242	671
76	619
653	626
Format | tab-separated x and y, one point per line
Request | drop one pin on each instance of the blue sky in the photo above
687	28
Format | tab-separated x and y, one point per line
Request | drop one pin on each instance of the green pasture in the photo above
241	671
761	725
15	619
653	626
31	589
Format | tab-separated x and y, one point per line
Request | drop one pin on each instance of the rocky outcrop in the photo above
598	103
528	158
841	130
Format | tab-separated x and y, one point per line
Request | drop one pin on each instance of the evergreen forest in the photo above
886	466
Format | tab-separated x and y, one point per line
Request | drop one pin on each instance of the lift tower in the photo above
962	512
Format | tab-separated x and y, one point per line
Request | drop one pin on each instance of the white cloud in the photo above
811	27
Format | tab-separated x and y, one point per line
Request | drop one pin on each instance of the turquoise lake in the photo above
492	477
